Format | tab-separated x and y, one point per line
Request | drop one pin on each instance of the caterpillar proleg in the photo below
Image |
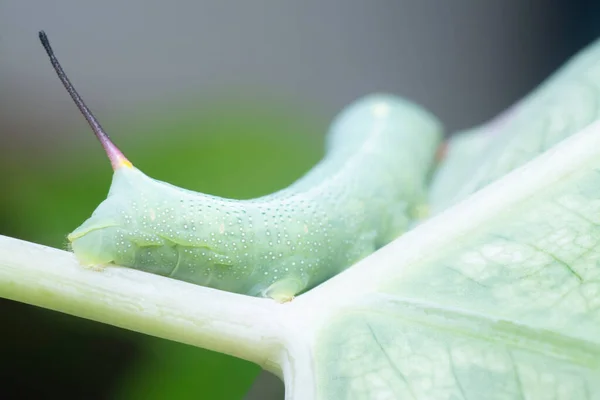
359	197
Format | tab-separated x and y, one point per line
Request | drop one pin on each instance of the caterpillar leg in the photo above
284	290
95	268
92	263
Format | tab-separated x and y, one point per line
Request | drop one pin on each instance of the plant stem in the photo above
242	326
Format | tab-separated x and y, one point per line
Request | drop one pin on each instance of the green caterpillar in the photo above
362	195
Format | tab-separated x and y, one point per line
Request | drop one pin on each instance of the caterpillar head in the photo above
108	234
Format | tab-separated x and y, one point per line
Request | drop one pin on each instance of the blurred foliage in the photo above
235	150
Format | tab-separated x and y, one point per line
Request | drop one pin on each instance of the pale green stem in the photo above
242	326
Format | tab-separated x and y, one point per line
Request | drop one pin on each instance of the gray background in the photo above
465	60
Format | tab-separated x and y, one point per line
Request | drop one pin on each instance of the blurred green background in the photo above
228	98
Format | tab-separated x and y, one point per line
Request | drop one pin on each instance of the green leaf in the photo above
497	297
507	308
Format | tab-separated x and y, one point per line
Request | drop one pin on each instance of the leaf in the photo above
495	298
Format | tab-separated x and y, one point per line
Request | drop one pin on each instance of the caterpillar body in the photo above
363	194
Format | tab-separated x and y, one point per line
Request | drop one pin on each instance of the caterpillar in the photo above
360	196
